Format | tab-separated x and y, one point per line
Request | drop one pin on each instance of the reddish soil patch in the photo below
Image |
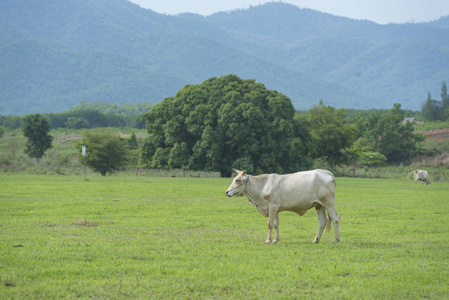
438	134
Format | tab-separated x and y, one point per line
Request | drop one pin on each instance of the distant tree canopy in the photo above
100	114
113	109
434	110
387	134
226	123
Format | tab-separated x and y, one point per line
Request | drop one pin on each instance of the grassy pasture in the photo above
121	237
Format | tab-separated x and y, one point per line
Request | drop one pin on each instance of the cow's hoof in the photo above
315	241
336	241
275	241
267	242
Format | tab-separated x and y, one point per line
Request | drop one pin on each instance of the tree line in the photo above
228	122
89	115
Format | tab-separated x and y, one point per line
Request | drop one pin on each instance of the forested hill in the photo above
54	54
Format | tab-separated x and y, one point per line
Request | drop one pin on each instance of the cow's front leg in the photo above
273	221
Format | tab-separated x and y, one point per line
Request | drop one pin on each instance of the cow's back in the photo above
300	191
423	174
311	180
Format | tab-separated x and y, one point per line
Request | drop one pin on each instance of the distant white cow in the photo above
298	192
420	175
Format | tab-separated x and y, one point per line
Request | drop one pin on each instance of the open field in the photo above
120	237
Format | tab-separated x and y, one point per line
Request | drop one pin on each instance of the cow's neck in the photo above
254	193
253	190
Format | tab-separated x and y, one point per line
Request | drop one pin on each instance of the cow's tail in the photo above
329	224
408	175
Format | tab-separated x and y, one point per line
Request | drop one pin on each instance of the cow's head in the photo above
238	185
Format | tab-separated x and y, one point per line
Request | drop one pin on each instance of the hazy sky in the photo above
379	11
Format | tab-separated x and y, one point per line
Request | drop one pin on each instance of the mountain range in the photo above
55	54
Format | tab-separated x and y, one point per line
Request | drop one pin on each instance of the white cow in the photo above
298	192
420	175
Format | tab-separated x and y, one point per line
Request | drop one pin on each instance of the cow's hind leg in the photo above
270	229
276	229
322	220
335	217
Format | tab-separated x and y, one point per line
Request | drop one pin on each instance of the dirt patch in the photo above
84	223
437	134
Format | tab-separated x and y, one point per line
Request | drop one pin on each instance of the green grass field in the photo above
121	237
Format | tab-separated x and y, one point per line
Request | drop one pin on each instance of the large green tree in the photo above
223	123
106	152
331	134
36	129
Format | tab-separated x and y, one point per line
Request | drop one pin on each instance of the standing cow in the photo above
420	175
298	192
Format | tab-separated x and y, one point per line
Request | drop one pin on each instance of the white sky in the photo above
379	11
